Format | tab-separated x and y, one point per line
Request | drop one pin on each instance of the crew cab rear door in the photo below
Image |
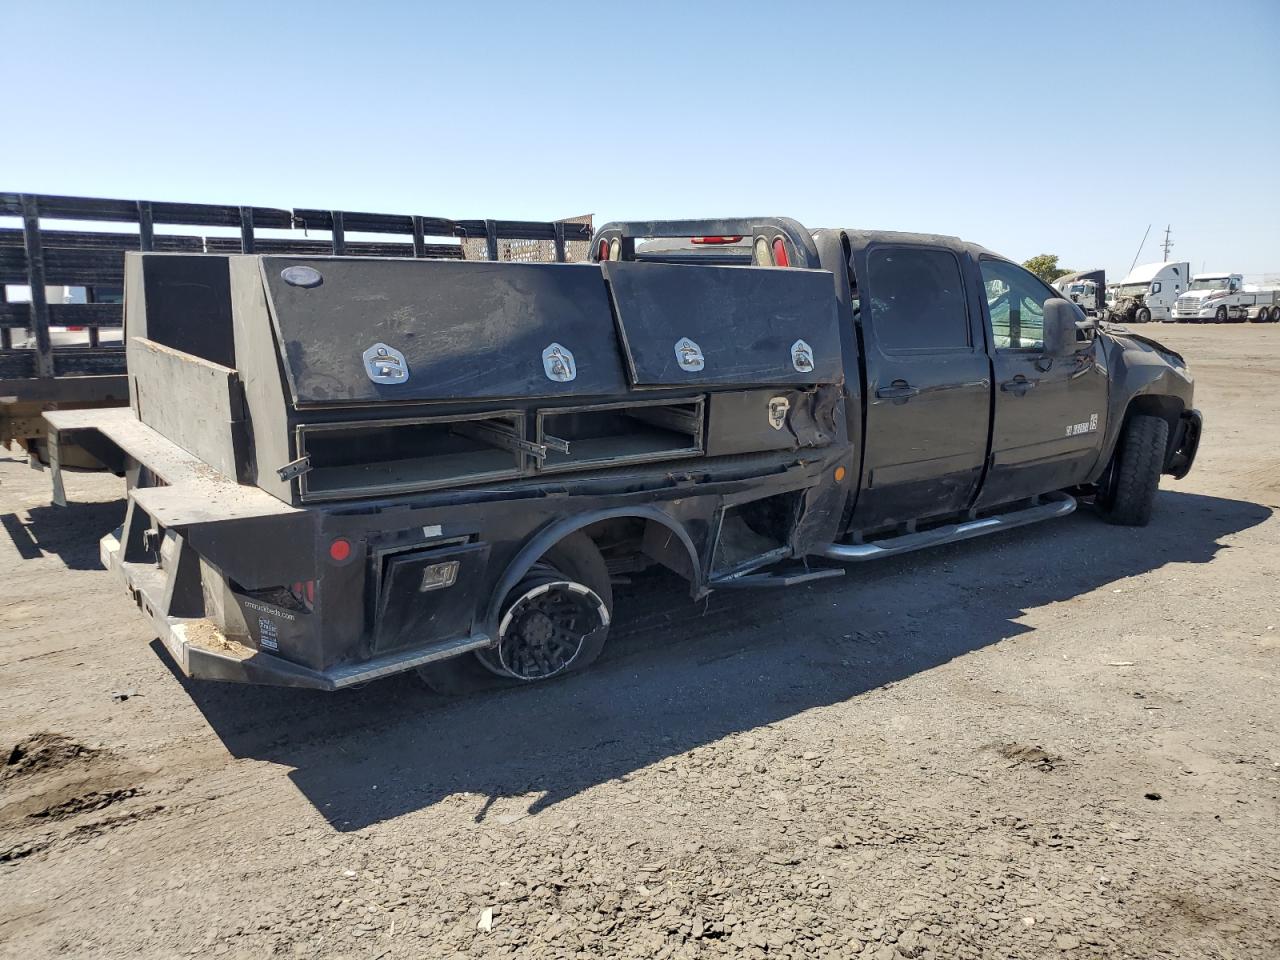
1050	412
928	385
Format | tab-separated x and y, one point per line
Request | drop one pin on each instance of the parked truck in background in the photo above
1086	288
354	467
1224	297
1150	291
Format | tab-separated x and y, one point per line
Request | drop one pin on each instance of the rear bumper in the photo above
203	652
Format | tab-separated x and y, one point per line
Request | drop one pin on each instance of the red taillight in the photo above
780	258
604	250
716	239
75	329
340	549
304	591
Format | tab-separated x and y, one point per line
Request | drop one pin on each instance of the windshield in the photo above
1217	283
1132	289
1077	288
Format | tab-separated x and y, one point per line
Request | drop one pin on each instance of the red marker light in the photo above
780	258
340	549
701	240
604	250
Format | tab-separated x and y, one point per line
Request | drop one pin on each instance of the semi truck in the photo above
349	468
1087	288
1224	297
1149	292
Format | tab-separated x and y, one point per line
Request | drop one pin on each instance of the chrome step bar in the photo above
1049	505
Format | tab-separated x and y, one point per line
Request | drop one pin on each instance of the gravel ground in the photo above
1056	742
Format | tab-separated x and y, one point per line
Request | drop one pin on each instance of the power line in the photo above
1140	246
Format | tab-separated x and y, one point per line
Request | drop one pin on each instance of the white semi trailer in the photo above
1222	297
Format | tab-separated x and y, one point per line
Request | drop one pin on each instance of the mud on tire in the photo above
1135	472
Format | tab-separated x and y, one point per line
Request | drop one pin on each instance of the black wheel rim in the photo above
547	621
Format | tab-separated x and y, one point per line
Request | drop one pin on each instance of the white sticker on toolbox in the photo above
268	635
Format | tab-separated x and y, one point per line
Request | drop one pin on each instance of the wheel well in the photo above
661	538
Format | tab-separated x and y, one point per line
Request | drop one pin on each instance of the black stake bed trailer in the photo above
68	355
343	468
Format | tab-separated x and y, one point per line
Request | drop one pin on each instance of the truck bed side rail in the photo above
804	253
36	255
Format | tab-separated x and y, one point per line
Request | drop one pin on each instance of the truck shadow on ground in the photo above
70	533
677	675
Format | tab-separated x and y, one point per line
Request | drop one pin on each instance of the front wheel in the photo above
1220	315
1130	492
1142	316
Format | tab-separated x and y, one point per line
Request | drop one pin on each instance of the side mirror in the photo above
1059	327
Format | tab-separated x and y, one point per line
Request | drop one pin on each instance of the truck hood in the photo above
1203	294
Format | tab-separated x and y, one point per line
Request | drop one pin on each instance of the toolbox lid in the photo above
684	325
358	330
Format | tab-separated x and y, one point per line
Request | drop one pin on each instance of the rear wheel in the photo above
1135	472
1274	316
555	621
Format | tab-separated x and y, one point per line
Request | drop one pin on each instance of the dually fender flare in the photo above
548	537
1133	388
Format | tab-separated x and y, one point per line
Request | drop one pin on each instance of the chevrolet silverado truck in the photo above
349	468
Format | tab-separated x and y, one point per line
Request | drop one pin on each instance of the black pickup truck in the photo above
348	468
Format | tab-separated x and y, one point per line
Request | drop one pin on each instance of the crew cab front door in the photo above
1050	412
928	386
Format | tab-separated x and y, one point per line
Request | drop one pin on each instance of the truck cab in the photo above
1150	291
1217	297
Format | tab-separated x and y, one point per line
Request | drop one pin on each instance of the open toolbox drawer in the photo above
614	434
378	457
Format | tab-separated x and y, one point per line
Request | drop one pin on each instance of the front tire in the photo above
1135	472
1220	315
1142	316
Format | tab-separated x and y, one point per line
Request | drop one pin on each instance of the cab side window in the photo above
1015	300
916	299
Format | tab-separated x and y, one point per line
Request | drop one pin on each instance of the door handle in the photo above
1018	386
898	390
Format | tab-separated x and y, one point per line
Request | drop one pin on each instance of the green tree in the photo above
1045	266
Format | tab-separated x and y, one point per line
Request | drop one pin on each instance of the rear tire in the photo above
575	558
1135	472
1275	314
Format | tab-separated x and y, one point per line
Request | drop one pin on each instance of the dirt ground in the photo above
1062	741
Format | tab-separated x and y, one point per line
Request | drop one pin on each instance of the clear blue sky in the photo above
1027	127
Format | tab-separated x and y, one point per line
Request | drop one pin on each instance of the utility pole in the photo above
1168	244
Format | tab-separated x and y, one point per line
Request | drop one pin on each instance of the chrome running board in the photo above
1049	506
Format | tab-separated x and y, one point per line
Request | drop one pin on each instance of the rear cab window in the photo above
916	299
